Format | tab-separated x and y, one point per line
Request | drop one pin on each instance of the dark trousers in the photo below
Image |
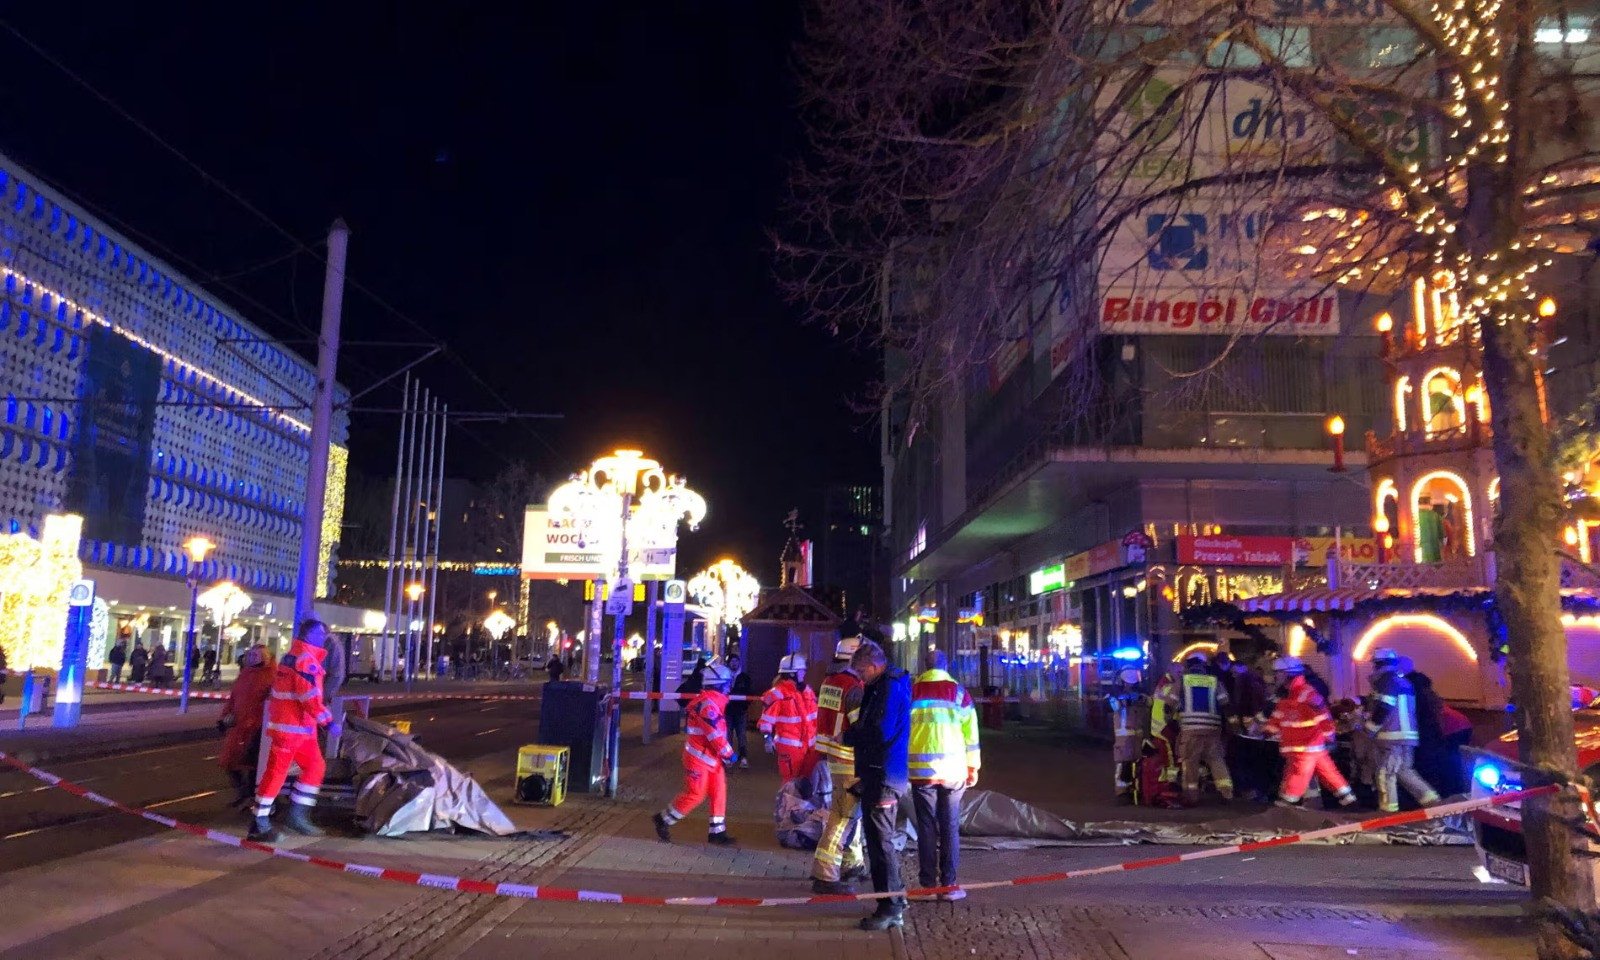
880	806
739	730
938	833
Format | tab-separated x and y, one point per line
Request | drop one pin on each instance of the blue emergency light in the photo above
1127	653
1488	775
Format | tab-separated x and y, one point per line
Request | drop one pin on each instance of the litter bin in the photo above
994	711
572	715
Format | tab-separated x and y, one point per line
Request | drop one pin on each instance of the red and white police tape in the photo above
639	695
214	695
530	892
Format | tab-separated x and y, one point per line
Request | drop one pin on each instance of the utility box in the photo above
542	774
573	715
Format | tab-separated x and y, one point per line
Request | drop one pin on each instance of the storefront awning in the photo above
1308	601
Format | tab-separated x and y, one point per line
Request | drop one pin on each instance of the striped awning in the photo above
1308	601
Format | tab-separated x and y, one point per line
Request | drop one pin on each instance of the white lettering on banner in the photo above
568	548
1127	313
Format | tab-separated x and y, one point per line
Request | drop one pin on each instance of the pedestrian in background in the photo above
739	710
208	665
881	738
1200	702
118	657
1130	722
138	662
839	860
789	717
943	761
554	667
159	672
706	751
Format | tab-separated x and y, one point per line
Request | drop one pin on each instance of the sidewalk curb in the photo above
100	749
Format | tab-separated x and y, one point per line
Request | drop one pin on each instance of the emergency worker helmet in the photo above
793	664
716	676
846	648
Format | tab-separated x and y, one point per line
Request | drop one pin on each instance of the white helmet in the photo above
1130	676
794	664
1383	657
846	648
1289	665
716	675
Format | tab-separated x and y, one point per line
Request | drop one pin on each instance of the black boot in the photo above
243	790
663	828
299	820
721	839
262	830
890	913
832	888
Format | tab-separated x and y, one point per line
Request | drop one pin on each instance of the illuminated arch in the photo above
1382	628
1402	391
1205	646
1457	399
1467	523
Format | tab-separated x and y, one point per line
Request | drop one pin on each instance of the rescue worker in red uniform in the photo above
706	752
294	712
840	859
241	718
1303	727
789	717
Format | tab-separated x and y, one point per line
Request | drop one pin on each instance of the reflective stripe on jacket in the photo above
838	707
944	731
1199	700
705	723
295	706
789	715
1301	720
1130	715
1394	714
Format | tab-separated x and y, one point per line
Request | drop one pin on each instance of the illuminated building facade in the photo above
134	400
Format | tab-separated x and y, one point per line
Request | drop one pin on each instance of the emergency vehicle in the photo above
1497	831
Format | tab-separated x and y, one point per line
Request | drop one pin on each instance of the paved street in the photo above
85	882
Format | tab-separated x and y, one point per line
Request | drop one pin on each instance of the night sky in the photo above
572	196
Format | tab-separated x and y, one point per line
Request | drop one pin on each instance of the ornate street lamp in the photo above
727	587
616	493
196	547
224	602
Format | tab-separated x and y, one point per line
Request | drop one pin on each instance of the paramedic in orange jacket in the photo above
789	717
294	712
706	751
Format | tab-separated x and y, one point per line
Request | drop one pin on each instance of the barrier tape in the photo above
633	695
213	695
529	892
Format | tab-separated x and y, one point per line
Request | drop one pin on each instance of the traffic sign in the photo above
81	593
676	593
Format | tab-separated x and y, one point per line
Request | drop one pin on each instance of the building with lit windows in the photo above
135	401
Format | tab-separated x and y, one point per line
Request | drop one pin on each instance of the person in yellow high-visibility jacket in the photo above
943	762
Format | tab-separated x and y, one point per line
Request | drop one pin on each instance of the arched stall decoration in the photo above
1437	647
1442	523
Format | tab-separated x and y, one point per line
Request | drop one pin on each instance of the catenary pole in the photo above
305	592
389	605
437	522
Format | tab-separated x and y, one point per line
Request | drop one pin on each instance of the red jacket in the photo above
296	708
789	716
707	727
838	707
1301	720
247	695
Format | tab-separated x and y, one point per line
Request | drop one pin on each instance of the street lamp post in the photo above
196	547
414	592
629	487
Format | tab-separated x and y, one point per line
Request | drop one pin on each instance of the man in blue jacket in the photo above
881	738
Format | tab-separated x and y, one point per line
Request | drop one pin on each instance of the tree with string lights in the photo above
971	162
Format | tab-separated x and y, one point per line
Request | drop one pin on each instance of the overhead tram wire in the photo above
243	202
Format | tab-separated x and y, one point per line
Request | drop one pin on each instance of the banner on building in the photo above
1229	551
111	452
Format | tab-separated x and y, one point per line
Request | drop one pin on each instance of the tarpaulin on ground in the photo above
402	788
994	821
801	809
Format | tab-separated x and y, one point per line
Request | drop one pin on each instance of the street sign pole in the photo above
673	598
649	651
